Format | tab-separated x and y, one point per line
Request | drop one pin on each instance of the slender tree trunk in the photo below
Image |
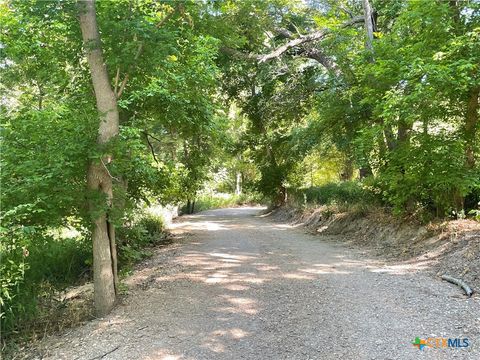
98	177
238	183
389	137
471	126
281	196
347	171
365	172
369	26
403	133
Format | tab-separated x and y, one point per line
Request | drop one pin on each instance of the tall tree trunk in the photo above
369	26
98	177
347	171
281	196
238	183
389	137
471	126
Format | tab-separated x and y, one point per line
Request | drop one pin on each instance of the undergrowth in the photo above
37	266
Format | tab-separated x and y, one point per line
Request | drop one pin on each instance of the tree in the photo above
99	179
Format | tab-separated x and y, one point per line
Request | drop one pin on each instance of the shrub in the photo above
429	174
134	239
348	192
34	267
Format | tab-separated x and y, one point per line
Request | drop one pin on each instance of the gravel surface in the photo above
240	286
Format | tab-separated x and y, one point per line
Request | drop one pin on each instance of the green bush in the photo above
348	192
34	266
154	225
429	174
135	239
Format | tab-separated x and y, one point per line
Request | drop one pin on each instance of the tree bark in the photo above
347	171
281	196
471	125
238	183
300	41
369	25
99	179
365	172
369	21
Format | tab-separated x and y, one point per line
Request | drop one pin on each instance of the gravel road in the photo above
240	286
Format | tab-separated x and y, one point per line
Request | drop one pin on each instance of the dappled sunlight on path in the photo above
242	287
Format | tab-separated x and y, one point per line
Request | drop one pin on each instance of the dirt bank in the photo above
448	247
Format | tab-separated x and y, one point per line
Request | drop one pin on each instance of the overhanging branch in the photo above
302	40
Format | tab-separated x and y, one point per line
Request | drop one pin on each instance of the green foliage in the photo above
197	116
44	156
136	238
217	201
428	174
36	265
12	275
475	213
349	192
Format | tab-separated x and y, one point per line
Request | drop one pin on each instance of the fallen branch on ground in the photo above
105	354
468	290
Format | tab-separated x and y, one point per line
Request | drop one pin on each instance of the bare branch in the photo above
130	68
318	55
304	39
346	11
151	146
108	172
153	137
314	36
116	80
284	33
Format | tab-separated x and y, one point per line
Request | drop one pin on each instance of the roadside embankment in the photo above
443	247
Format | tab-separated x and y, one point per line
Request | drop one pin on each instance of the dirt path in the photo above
242	287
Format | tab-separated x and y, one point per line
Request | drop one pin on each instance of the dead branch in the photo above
105	354
151	147
468	290
314	36
315	54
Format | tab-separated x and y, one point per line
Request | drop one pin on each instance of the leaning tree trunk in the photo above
99	179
